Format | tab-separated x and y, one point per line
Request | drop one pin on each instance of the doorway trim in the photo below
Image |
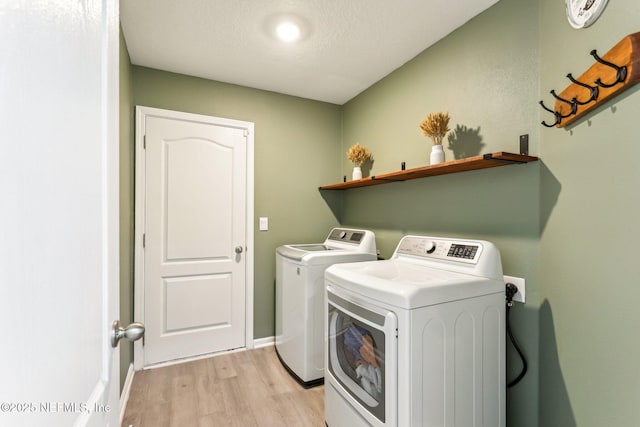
141	113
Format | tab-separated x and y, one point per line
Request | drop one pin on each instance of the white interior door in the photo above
59	214
195	234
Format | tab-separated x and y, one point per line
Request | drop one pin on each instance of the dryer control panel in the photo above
443	249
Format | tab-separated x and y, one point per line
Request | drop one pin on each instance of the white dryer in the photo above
300	297
419	339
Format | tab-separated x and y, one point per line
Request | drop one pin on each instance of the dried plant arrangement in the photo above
435	126
358	154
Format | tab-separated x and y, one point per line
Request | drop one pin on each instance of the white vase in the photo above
437	154
357	173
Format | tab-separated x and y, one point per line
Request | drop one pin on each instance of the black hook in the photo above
593	90
621	72
557	115
573	103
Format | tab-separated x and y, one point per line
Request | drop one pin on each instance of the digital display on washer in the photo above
356	237
462	251
346	235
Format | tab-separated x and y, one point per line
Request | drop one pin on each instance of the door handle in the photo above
238	249
133	332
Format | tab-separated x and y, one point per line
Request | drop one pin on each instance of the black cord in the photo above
511	290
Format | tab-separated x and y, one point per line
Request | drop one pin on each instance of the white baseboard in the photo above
264	342
126	389
258	343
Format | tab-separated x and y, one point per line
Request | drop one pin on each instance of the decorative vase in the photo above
437	154
357	173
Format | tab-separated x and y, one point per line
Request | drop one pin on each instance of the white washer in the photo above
419	339
300	297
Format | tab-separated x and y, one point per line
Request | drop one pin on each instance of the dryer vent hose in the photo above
510	291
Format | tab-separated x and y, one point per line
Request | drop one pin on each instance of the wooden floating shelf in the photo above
471	163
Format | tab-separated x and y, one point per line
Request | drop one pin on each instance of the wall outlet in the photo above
519	282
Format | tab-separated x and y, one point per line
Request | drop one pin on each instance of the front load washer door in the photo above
362	357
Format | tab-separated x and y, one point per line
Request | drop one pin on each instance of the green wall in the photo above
566	224
126	205
297	142
485	75
589	351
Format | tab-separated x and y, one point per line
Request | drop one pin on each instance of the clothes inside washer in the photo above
363	361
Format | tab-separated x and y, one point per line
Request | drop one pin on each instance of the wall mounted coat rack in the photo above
611	74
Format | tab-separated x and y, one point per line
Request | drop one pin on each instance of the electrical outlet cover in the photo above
519	282
264	223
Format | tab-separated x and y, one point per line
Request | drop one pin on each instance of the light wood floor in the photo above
249	388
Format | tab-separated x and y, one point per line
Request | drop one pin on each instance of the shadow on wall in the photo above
334	200
549	193
515	201
522	401
608	107
555	406
500	202
465	142
367	166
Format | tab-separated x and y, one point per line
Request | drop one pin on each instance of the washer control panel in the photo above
344	235
349	239
444	249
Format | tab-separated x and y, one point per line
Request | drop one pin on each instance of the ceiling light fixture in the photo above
288	31
287	28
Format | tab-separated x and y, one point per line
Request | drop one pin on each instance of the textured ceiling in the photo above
347	45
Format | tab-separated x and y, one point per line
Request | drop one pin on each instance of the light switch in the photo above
264	223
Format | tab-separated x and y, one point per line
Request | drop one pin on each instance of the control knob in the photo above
430	247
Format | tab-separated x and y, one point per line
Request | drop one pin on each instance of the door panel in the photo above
197	214
208	297
195	217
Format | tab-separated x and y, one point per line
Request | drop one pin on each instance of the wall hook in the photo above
621	72
573	103
593	91
557	116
